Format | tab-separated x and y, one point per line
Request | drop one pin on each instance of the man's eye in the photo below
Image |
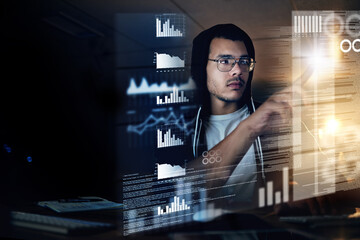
224	61
244	62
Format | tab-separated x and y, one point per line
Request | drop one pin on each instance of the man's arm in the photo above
272	114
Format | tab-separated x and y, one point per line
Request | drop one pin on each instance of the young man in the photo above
229	124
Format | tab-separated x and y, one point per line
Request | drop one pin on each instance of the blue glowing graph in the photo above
152	121
145	88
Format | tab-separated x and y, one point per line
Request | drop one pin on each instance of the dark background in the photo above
57	103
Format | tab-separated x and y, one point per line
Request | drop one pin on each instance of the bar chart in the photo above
168	140
173	98
170	25
307	24
175	206
270	191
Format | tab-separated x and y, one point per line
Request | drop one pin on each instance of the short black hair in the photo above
200	53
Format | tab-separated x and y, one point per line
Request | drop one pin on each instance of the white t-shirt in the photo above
242	180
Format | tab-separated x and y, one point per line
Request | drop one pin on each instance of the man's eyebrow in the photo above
229	56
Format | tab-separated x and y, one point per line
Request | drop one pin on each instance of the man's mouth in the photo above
236	84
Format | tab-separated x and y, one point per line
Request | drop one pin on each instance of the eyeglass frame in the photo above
237	60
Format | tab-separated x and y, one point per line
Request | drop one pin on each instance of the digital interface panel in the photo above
325	140
317	155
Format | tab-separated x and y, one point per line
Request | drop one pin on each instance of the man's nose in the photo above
236	69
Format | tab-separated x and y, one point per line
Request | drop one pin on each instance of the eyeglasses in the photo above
246	64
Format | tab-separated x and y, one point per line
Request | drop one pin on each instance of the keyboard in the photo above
60	225
323	221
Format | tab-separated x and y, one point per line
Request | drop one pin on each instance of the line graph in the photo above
152	121
146	88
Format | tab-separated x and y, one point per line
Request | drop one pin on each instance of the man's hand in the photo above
274	113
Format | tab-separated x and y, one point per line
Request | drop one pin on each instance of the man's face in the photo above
226	86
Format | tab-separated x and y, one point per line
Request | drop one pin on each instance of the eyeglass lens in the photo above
226	64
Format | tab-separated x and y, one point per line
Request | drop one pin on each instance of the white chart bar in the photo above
277	197
285	184
269	191
261	197
302	24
